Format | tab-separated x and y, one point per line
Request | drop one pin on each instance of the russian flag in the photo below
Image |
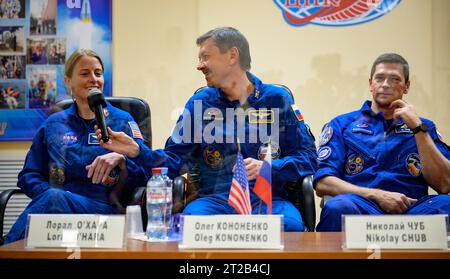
263	184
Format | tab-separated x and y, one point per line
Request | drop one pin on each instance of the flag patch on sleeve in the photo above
135	130
297	112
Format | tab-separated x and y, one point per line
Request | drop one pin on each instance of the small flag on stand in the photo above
239	197
263	184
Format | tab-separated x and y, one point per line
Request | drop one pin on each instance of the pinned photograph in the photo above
11	9
12	67
37	51
56	51
42	87
12	95
43	17
12	39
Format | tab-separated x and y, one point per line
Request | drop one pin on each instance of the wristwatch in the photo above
421	128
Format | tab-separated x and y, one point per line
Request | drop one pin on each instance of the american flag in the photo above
135	130
239	197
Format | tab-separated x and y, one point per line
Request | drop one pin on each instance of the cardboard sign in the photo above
75	230
232	231
395	231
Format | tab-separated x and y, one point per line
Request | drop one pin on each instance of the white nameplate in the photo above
232	231
75	230
395	231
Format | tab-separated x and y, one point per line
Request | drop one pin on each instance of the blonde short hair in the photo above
76	55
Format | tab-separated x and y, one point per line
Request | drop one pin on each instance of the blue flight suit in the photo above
214	151
361	148
54	175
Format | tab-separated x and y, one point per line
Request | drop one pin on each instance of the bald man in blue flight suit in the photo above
238	105
381	158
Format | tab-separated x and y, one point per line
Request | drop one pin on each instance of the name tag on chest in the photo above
92	139
260	116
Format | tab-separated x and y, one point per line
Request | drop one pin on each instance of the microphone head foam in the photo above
95	98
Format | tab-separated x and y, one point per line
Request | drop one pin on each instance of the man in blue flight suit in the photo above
235	104
381	158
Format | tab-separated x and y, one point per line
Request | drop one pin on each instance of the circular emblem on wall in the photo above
275	149
354	164
413	164
334	13
213	157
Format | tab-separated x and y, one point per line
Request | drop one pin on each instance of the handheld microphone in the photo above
97	102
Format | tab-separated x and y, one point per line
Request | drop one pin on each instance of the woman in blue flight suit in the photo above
66	170
382	158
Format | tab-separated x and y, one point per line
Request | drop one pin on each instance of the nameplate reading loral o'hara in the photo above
75	230
232	231
395	231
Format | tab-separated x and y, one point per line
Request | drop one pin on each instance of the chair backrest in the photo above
138	108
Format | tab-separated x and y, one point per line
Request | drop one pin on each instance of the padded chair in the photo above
140	111
300	194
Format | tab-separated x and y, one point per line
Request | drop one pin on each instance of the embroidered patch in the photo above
403	129
260	116
326	135
297	112
92	139
213	157
323	153
275	149
354	164
362	131
57	175
135	130
69	138
362	125
112	179
413	165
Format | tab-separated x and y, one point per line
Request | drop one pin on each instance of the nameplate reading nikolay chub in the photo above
232	231
396	231
75	230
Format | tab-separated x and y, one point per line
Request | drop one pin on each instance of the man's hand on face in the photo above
405	111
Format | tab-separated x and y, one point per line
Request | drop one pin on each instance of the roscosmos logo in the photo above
334	12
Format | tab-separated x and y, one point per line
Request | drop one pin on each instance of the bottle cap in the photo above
159	171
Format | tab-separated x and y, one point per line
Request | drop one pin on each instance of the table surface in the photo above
310	245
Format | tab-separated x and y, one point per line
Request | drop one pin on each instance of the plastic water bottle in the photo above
157	205
169	200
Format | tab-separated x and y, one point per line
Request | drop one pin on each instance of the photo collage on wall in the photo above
36	38
28	60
